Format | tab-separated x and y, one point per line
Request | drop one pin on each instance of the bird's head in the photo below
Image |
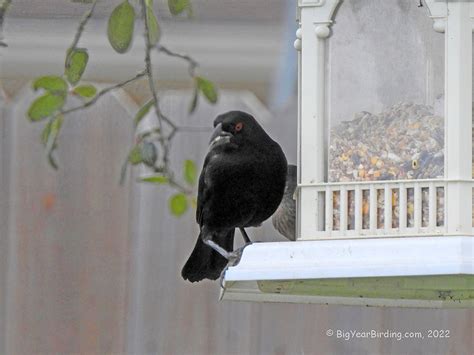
236	127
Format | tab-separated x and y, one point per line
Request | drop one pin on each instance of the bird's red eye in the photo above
239	126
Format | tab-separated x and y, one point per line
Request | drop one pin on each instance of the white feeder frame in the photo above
303	260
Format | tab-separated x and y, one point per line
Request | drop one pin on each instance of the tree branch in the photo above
164	142
103	92
191	62
3	10
82	25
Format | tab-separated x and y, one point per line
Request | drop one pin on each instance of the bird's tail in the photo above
205	262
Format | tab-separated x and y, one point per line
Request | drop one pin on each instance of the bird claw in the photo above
236	255
233	259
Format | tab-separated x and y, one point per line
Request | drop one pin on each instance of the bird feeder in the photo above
384	198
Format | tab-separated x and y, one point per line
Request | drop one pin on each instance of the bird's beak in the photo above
219	136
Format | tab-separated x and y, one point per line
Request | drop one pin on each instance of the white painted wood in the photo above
439	12
299	207
329	200
387	209
323	198
402	207
458	117
313	123
355	258
343	212
373	209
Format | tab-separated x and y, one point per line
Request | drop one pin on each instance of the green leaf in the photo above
207	88
86	91
135	155
120	27
51	83
123	171
194	101
156	179
189	10
154	31
44	106
189	172
178	204
177	6
76	63
52	161
53	133
49	138
143	111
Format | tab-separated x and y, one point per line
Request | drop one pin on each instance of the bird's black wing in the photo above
226	196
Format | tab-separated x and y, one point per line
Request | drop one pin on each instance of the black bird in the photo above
241	185
284	217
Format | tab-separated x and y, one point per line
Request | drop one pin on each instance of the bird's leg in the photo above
232	257
216	247
245	236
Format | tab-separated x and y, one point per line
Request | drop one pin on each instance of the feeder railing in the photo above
380	208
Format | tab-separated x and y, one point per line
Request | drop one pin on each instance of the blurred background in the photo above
89	266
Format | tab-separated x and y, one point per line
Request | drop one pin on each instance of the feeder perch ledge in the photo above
371	272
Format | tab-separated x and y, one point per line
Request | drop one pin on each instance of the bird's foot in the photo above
236	255
233	259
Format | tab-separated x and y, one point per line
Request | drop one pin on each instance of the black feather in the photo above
241	185
206	263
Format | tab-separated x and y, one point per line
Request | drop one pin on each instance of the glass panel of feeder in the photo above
386	93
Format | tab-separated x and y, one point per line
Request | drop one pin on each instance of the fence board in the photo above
69	233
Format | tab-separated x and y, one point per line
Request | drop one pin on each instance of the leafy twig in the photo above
164	142
82	25
172	181
103	92
192	63
145	150
3	10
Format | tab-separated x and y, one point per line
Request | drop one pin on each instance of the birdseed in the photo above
403	142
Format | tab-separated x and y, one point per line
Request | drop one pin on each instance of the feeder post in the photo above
458	117
316	18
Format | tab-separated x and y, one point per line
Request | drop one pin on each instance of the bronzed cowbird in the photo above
241	185
284	217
